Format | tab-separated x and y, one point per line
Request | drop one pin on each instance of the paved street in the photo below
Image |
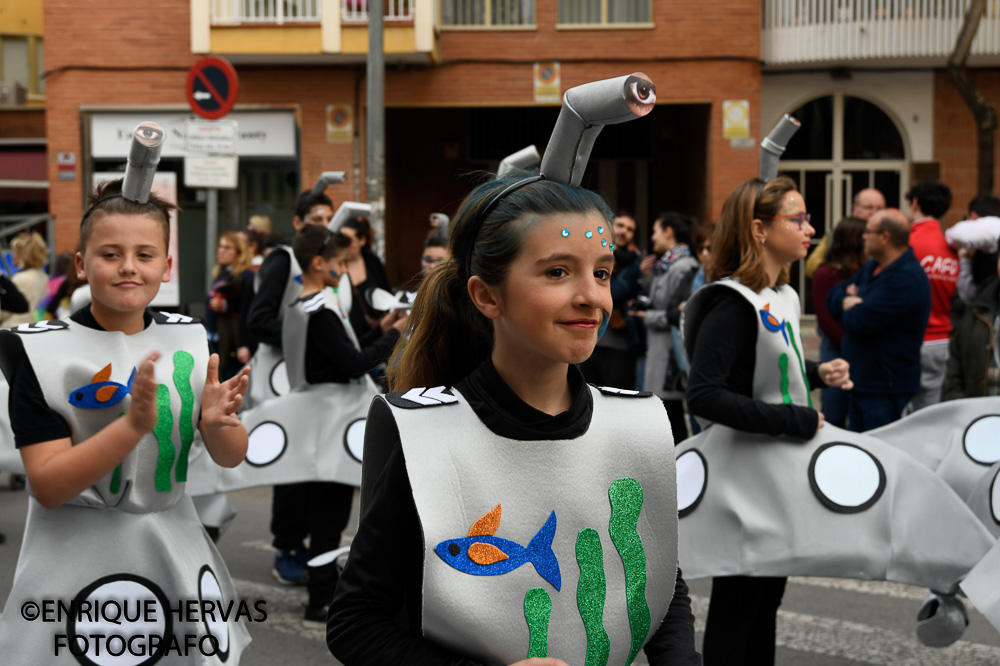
823	622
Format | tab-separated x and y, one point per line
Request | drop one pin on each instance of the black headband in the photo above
487	209
97	203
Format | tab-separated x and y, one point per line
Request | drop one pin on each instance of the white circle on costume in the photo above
982	440
279	379
266	443
692	476
133	597
995	498
209	590
354	439
847	475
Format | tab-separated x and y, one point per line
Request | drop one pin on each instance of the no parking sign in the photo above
212	87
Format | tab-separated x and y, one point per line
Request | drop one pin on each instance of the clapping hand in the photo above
220	401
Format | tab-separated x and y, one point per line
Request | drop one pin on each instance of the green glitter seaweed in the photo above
786	397
802	366
537	610
183	366
590	595
626	504
116	479
164	431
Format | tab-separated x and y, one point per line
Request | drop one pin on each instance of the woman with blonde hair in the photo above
747	372
30	256
228	302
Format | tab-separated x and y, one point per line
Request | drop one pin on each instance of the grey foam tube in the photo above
774	144
143	157
522	159
585	111
328	178
346	211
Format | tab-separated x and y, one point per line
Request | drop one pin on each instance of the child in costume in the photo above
103	408
740	330
321	349
546	470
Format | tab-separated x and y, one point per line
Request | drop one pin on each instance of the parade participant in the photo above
740	331
325	361
275	286
107	465
366	273
520	446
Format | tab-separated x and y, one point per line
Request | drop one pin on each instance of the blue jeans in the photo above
868	411
834	400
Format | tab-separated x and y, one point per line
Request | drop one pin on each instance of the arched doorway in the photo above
845	145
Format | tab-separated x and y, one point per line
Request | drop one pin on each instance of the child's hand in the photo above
141	415
221	401
400	323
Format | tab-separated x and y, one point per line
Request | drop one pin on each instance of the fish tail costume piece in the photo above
315	432
134	535
840	504
563	548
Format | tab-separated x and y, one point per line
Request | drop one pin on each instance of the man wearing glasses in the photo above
866	203
883	309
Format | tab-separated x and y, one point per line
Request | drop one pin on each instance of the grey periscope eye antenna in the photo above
585	111
346	211
328	178
143	157
522	159
774	144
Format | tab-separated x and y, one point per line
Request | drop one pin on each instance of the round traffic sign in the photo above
212	87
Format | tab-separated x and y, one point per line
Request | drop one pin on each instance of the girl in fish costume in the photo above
520	512
104	408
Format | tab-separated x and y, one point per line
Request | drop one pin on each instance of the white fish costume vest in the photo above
572	551
313	433
134	536
840	504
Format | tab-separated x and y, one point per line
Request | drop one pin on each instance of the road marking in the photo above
863	643
876	587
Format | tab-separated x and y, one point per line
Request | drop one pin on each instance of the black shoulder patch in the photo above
41	327
416	398
622	393
173	318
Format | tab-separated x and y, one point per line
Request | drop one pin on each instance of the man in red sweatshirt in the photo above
928	201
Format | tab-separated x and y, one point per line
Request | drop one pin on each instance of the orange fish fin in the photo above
484	553
104	375
105	392
488	524
767	308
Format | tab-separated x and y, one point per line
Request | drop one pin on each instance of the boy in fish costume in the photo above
104	408
520	513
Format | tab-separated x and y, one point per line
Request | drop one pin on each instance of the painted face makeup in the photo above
589	233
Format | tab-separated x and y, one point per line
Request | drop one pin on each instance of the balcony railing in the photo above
487	13
265	11
842	30
395	10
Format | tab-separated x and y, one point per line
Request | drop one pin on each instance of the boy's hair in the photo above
450	337
934	198
107	199
307	200
985	204
435	241
32	250
309	241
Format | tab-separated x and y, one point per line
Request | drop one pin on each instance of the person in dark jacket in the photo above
883	309
973	363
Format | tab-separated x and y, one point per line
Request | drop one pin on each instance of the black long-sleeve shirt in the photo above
263	319
720	379
376	613
331	355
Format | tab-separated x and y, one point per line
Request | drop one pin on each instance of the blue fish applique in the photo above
771	322
482	554
101	392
